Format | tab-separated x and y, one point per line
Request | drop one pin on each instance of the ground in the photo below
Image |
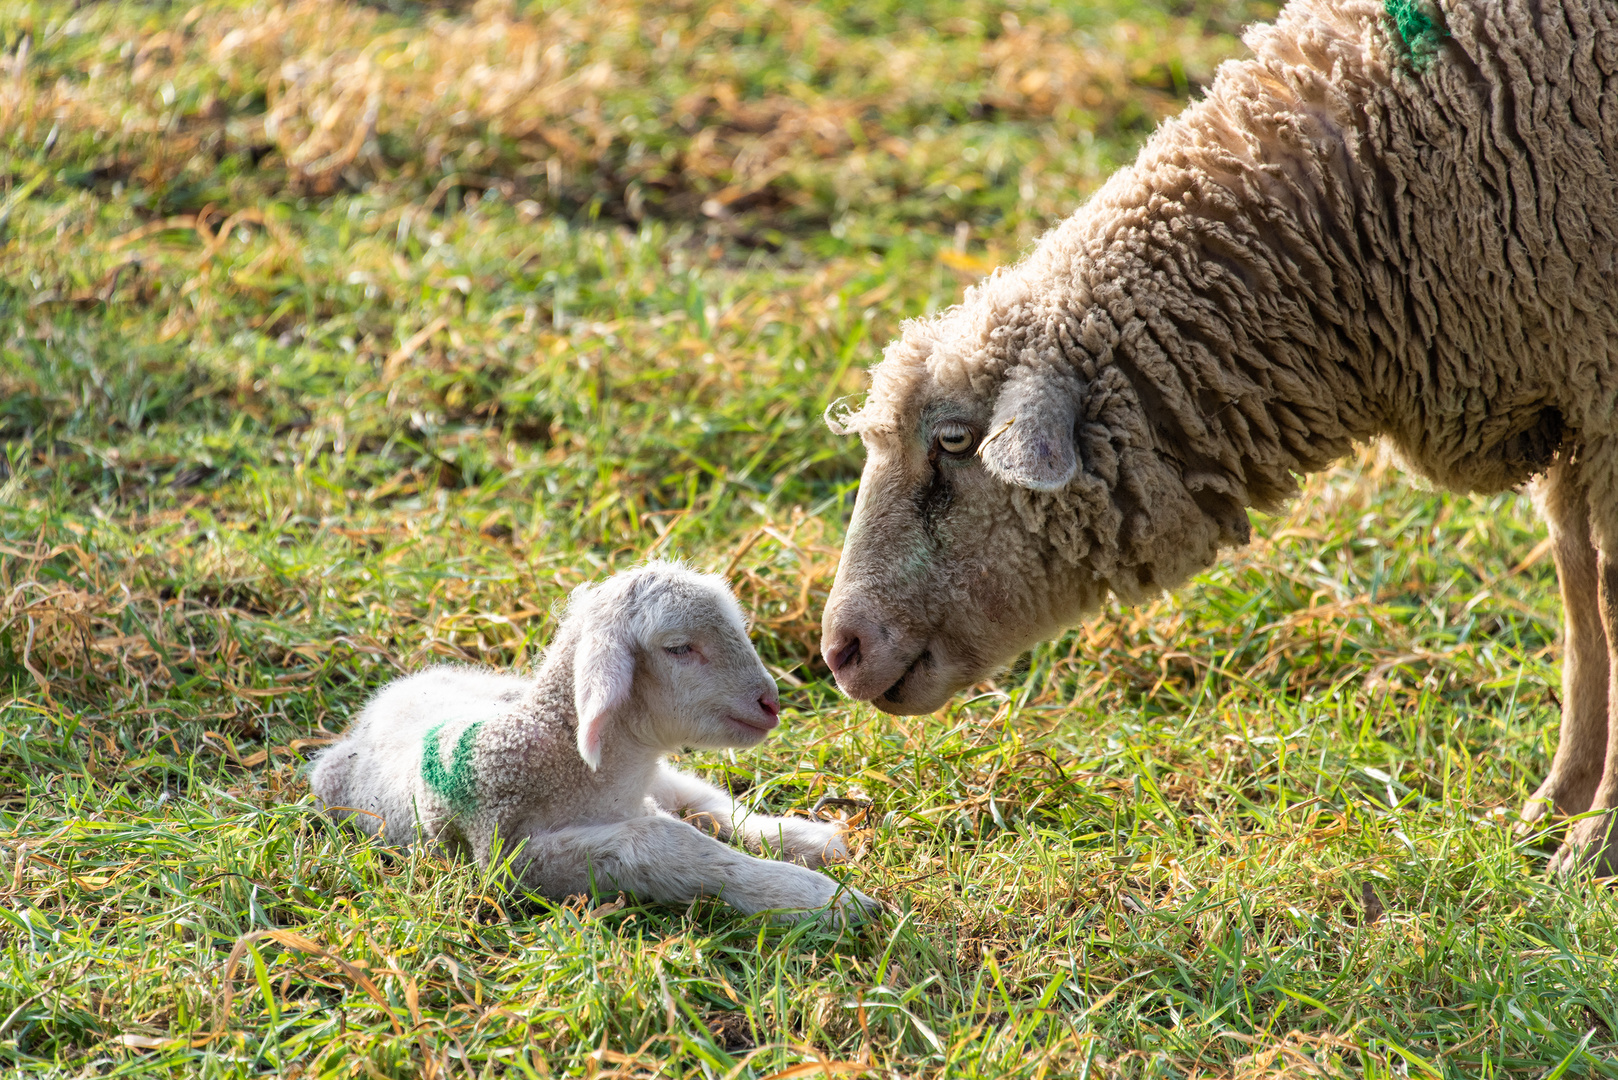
339	339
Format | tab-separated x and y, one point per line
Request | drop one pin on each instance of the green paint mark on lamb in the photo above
457	784
1419	31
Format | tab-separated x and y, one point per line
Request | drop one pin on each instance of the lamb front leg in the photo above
808	843
1581	749
1593	842
661	859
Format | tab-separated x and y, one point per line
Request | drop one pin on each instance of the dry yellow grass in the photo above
677	110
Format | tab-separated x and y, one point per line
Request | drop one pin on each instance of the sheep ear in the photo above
603	672
1030	440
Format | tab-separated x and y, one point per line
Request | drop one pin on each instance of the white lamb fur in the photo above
569	764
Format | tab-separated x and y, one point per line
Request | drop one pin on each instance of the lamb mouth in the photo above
893	692
756	728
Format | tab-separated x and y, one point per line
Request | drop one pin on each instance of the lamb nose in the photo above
848	654
770	705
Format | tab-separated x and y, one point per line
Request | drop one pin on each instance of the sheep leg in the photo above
659	858
808	843
1581	751
1592	842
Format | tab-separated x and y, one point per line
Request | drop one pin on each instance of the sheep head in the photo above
661	658
1010	483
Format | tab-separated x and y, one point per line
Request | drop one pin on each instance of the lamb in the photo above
1394	221
568	766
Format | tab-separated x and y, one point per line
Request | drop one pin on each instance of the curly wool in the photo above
1334	245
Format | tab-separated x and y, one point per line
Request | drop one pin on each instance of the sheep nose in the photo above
866	654
843	654
770	704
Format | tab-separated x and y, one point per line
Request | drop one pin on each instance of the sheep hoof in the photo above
1591	848
1565	794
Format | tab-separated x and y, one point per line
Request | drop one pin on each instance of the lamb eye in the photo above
676	650
955	439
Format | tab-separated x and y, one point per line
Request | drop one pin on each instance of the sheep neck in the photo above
1199	278
1258	414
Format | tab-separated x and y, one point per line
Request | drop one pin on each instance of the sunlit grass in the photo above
275	433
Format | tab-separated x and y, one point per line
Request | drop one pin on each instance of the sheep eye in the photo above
955	439
676	650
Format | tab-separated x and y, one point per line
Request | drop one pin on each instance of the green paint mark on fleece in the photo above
456	785
1417	29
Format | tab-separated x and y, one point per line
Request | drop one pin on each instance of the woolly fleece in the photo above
1338	244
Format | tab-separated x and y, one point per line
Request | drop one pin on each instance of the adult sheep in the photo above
1391	221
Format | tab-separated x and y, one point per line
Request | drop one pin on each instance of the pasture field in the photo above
337	339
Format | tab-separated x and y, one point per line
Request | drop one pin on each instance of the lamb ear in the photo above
1030	440
603	672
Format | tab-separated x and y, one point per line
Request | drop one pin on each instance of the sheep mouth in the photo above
895	692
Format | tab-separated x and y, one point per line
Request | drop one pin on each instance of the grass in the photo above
340	339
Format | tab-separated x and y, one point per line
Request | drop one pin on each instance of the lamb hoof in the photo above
812	844
850	907
834	849
1591	847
